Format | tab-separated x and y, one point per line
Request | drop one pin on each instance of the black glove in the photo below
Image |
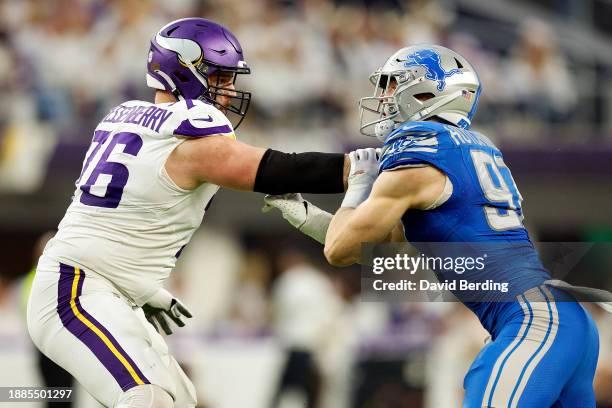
163	305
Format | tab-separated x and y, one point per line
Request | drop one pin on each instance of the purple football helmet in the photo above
183	55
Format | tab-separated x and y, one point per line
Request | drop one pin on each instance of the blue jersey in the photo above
484	208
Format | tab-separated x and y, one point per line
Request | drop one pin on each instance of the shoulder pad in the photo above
416	129
195	118
412	144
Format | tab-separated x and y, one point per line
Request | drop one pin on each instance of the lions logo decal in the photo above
430	60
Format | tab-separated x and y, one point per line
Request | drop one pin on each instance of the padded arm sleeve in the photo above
317	173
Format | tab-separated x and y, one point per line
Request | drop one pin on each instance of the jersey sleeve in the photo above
415	144
196	119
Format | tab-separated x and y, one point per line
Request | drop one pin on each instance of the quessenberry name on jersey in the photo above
152	117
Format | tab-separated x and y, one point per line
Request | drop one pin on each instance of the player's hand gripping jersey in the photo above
483	210
128	220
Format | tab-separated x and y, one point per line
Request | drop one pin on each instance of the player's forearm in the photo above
342	248
239	166
346	172
312	172
343	245
375	220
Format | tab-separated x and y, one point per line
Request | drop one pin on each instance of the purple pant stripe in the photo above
88	336
105	331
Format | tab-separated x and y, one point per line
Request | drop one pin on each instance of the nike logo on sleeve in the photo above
208	119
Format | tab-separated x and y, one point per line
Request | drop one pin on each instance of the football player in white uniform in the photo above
149	174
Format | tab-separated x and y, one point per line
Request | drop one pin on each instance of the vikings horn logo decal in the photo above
187	50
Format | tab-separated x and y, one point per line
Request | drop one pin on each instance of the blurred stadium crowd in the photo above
270	316
310	61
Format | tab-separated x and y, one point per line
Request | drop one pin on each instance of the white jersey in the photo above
128	221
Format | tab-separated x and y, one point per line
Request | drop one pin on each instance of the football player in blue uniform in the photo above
436	181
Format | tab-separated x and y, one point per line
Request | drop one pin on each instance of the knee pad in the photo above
145	396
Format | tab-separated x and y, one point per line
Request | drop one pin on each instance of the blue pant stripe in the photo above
550	323
512	351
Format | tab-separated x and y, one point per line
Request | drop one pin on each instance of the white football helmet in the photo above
417	83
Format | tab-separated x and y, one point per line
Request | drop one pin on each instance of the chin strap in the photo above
425	113
382	129
177	95
174	90
203	80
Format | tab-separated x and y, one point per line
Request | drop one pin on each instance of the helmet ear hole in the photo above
424	96
459	64
181	77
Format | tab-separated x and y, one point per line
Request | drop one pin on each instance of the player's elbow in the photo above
336	256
